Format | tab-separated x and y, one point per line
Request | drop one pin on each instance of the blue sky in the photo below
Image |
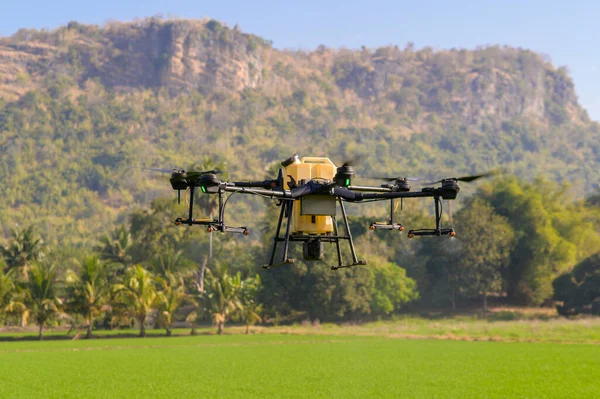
568	32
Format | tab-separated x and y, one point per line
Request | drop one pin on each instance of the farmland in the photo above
294	365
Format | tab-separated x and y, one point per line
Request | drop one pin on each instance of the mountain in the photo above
80	105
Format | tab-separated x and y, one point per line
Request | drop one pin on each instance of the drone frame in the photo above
273	189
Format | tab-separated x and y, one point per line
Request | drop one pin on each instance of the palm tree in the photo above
171	261
88	290
137	296
170	298
25	248
115	247
7	288
17	307
40	294
250	309
222	294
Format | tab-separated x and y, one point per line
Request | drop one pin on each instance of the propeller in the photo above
179	170
350	162
391	179
355	161
205	172
162	170
400	183
468	179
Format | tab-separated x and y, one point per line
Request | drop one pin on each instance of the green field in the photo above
286	366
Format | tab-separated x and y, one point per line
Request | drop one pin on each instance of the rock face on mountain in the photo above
503	83
181	56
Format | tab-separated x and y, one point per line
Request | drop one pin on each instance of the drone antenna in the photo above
280	178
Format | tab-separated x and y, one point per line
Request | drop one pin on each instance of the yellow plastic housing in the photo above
306	169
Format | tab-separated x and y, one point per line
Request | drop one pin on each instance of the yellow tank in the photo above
308	168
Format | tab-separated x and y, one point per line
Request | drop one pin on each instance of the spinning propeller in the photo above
180	171
393	179
466	179
400	183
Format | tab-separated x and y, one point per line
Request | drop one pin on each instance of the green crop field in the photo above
287	366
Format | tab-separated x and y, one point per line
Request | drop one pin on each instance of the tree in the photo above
170	298
41	294
250	308
171	261
115	247
88	290
7	289
25	248
543	248
311	287
579	290
222	295
442	269
391	288
137	295
152	230
487	241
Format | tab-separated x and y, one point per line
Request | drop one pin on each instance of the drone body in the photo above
312	213
308	191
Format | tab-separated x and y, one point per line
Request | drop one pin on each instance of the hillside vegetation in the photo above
80	105
89	236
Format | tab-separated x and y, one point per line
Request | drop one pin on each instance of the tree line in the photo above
97	290
519	242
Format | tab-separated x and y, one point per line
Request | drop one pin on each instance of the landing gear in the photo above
313	244
214	224
438	231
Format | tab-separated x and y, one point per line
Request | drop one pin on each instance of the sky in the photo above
566	31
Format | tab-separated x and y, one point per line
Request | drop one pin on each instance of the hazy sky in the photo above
567	31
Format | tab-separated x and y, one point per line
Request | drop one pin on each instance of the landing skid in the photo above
359	263
285	262
438	231
431	232
213	225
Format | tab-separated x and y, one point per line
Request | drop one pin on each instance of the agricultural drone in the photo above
308	190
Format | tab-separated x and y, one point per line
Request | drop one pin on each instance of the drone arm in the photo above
266	184
392	195
370	189
446	192
347	195
257	191
353	196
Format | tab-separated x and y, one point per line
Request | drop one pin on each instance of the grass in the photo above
466	328
292	366
503	325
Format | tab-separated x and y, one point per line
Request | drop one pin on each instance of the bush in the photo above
579	291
